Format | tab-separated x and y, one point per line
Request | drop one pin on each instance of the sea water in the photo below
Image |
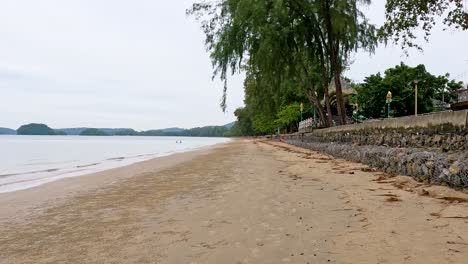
29	161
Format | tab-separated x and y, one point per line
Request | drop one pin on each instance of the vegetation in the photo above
41	129
292	50
109	131
59	133
403	17
126	132
208	131
301	43
399	81
288	117
93	132
36	129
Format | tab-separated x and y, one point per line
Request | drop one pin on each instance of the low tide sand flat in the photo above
243	202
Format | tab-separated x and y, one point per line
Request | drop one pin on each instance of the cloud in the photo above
140	64
107	63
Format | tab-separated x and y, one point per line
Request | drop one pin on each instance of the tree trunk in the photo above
325	88
333	50
315	101
339	97
328	106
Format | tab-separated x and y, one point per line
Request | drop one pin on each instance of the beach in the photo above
247	201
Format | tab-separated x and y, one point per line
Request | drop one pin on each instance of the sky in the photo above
142	64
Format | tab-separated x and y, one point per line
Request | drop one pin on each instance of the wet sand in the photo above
242	202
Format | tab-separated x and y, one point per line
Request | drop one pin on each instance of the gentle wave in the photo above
49	158
87	165
29	172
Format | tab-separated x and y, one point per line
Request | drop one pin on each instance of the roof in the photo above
345	87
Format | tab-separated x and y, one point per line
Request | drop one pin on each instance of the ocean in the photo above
29	161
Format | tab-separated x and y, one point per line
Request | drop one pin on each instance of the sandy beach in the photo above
242	202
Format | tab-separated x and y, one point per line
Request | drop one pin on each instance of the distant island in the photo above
37	129
7	131
93	132
43	129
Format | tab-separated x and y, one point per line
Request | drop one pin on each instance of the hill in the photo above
7	131
206	131
230	125
110	131
37	129
93	132
172	130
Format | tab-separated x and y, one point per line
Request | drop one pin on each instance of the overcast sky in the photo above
142	64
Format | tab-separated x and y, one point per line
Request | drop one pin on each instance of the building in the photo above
462	100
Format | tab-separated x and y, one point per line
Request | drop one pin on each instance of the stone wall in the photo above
446	131
431	148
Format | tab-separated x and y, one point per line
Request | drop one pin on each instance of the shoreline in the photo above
248	201
28	168
25	203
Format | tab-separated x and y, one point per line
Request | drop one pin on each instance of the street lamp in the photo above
302	109
389	100
416	97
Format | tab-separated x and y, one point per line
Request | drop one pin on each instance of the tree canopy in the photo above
404	17
297	41
291	50
399	80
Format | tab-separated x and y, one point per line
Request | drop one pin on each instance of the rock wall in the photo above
432	148
446	131
412	137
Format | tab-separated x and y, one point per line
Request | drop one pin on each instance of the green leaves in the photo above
400	81
403	17
288	48
289	115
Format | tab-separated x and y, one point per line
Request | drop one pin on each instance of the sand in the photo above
242	202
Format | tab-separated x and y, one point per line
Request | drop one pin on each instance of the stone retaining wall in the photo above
446	131
429	166
432	148
412	137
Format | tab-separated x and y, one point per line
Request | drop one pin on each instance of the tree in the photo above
243	126
346	30
399	81
288	117
306	42
403	17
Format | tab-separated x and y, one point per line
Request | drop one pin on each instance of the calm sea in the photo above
29	161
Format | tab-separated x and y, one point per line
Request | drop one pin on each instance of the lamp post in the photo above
416	97
302	109
389	100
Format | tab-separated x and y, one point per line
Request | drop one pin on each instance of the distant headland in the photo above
43	129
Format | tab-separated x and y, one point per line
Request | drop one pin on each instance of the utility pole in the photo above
416	97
